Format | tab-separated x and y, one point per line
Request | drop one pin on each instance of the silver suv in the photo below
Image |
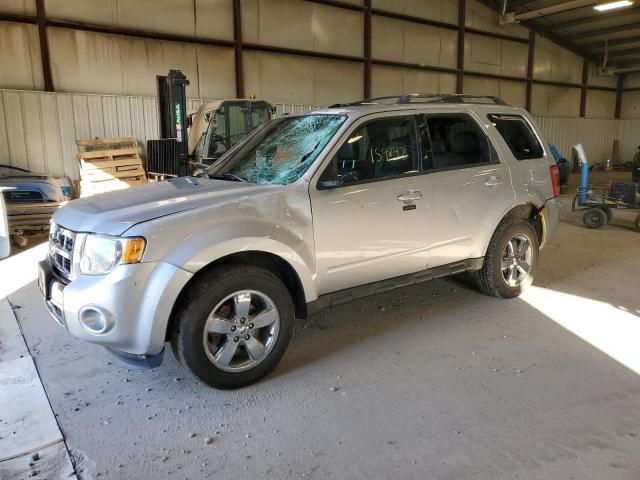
309	211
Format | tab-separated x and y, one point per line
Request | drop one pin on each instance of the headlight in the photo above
100	253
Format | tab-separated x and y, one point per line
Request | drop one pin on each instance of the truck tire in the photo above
511	260
594	218
233	326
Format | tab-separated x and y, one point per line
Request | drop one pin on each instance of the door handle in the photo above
410	196
493	181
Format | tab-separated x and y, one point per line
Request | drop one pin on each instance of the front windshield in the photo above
281	151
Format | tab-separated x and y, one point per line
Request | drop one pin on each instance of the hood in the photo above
115	212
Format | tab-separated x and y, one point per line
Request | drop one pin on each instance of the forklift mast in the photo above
172	102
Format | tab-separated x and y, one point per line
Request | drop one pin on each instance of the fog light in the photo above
95	320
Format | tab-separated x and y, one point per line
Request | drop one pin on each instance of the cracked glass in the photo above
281	151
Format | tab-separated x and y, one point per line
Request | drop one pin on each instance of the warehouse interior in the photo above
430	380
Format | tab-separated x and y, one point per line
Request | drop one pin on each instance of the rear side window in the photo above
518	134
456	141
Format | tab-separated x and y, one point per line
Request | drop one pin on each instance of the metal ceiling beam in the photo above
513	17
598	17
617	48
626	54
548	33
614	45
631	68
622	41
604	31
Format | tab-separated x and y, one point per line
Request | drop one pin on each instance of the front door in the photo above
368	207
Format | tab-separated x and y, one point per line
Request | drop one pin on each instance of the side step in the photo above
350	294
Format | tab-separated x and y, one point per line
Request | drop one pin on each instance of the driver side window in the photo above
383	148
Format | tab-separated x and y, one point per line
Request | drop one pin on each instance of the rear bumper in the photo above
550	219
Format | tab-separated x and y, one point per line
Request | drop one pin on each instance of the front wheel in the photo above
511	260
234	326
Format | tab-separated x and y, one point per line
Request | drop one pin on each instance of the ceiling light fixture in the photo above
604	7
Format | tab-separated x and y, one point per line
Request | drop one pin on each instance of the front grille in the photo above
61	243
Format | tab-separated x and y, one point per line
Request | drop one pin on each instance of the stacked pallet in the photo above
108	164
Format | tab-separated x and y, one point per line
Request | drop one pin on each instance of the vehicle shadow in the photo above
596	274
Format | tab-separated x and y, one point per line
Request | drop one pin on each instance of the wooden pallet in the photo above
108	164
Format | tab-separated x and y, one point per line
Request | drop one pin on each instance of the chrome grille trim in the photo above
61	243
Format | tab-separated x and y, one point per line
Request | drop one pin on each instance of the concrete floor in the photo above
432	381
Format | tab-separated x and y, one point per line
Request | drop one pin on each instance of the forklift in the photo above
188	142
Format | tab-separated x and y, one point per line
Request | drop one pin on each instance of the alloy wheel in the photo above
241	331
516	260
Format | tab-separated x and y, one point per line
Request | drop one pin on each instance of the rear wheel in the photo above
511	260
235	326
594	218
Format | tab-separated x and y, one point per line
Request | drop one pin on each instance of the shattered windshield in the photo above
281	151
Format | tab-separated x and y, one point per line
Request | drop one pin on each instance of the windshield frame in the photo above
219	164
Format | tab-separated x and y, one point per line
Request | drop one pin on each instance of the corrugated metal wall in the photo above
38	130
100	63
596	135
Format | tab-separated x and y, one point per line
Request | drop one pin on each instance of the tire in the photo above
608	212
594	218
223	293
490	279
637	222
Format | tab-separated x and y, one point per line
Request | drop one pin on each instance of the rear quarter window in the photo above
518	135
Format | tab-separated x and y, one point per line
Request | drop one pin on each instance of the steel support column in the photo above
237	47
41	21
462	15
530	64
367	49
584	89
619	94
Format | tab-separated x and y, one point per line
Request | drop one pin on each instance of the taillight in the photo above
554	172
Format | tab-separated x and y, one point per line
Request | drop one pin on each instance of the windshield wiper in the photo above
202	166
230	176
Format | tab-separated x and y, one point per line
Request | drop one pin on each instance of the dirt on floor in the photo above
431	381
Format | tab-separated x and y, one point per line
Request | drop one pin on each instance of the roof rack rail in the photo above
424	98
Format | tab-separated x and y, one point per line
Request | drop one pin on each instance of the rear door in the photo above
466	187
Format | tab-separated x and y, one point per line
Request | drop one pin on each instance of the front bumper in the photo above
137	299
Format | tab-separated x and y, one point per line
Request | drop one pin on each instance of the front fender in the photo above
202	255
279	223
